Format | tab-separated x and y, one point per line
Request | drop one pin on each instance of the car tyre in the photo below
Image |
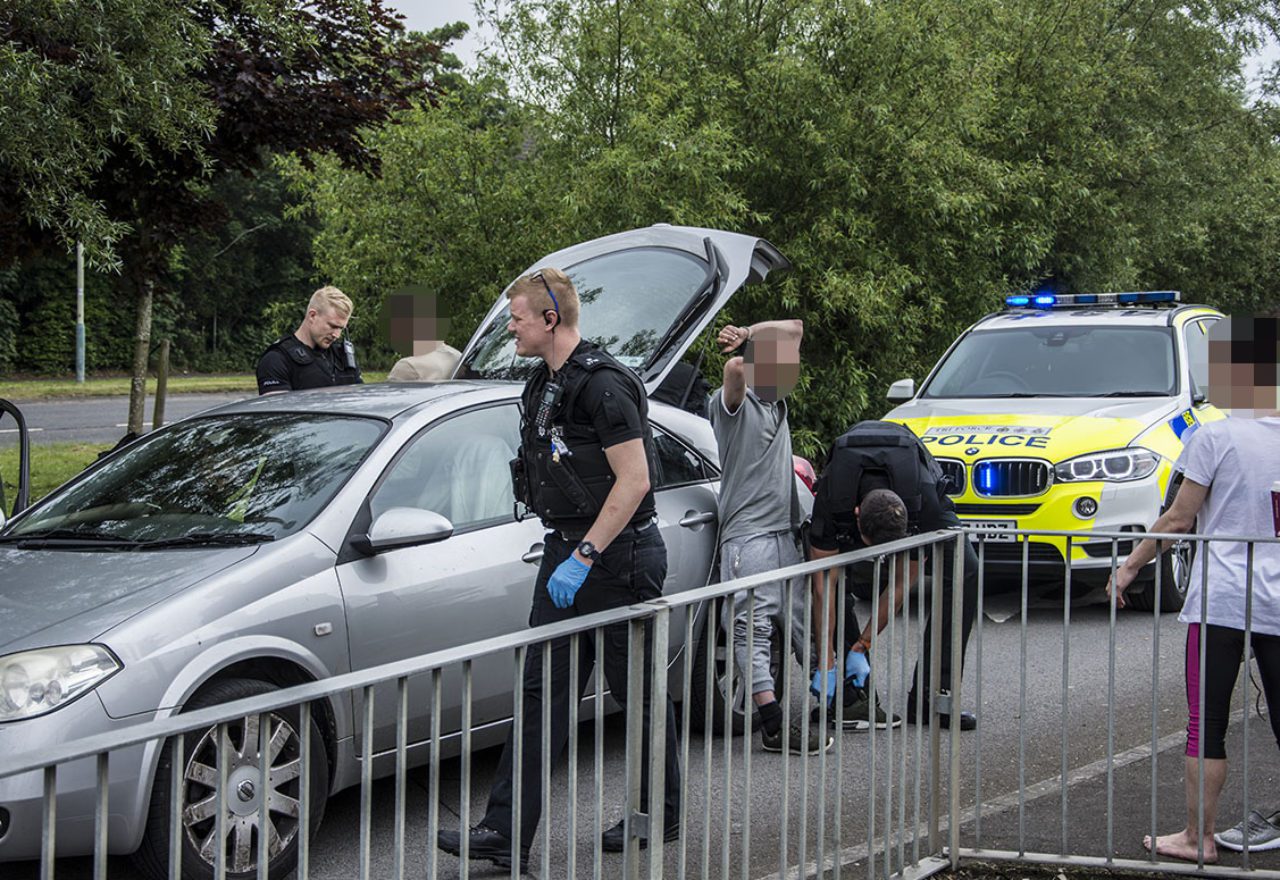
1176	570
706	708
243	823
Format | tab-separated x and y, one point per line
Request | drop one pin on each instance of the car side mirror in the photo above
1198	398
902	391
403	527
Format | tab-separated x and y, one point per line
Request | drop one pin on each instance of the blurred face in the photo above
772	366
529	328
1243	373
412	323
324	327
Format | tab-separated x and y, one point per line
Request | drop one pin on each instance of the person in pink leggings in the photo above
1228	468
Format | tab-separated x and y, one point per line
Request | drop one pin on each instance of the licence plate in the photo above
994	529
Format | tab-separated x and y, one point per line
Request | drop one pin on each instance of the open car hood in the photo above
645	296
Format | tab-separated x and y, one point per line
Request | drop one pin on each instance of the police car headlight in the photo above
35	682
1114	465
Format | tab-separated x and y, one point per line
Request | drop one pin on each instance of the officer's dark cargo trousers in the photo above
859	587
631	570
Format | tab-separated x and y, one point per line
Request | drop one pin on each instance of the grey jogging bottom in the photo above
742	557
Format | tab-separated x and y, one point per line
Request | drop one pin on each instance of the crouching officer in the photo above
584	467
881	484
314	355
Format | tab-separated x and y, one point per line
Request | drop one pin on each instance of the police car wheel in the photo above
1177	567
707	707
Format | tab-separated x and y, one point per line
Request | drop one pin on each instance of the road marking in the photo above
850	855
16	430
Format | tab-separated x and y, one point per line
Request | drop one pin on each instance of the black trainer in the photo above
613	839
483	843
968	721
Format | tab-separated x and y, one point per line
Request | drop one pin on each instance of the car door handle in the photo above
534	554
693	519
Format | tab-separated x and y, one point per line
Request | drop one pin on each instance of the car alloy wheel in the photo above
245	820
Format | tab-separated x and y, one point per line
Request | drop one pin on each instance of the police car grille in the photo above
996	509
953	470
1010	477
1010	553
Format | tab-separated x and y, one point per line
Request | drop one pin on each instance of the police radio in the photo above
550	399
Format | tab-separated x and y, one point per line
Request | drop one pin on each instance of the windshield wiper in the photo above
1024	394
65	536
209	539
1133	394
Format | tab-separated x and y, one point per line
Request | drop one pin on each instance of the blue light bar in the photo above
1050	300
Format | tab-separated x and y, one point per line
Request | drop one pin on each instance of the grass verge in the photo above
52	464
116	386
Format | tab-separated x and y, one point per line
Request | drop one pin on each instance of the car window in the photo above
459	468
1058	361
263	474
1197	336
677	465
629	299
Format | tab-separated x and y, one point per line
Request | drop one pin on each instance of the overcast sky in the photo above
423	15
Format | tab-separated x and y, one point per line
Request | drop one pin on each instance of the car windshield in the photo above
230	479
629	300
1080	361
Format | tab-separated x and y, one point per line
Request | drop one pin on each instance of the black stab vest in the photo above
309	368
569	494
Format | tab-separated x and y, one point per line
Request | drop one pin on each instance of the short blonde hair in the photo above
330	299
534	287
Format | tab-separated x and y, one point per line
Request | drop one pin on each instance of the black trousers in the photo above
858	581
631	570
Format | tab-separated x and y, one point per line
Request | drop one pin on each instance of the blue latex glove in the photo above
566	580
856	667
816	685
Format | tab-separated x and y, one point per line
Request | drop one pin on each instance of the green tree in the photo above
267	77
78	83
915	159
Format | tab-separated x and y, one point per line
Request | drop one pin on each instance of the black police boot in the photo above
483	843
613	839
968	721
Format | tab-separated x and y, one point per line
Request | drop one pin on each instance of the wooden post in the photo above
141	348
162	386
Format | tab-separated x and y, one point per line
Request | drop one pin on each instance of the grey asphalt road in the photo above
1010	791
97	419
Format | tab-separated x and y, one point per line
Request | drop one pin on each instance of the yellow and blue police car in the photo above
1066	413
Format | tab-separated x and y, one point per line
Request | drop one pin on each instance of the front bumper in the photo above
129	772
1131	506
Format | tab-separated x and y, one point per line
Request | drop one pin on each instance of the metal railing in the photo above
879	803
1095	781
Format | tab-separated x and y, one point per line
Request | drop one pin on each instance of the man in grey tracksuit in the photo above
759	509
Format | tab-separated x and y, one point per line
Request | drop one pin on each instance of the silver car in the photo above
288	538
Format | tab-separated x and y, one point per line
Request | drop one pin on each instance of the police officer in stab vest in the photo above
881	484
584	467
314	355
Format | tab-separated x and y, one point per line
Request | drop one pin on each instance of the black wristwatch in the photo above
587	550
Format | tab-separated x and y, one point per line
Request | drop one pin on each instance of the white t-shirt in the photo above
1238	459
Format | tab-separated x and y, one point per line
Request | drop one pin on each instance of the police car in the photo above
1066	413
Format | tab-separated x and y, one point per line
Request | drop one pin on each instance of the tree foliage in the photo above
915	159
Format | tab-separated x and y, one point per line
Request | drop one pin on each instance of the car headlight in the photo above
35	682
1114	465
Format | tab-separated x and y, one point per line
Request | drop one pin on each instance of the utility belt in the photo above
631	532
